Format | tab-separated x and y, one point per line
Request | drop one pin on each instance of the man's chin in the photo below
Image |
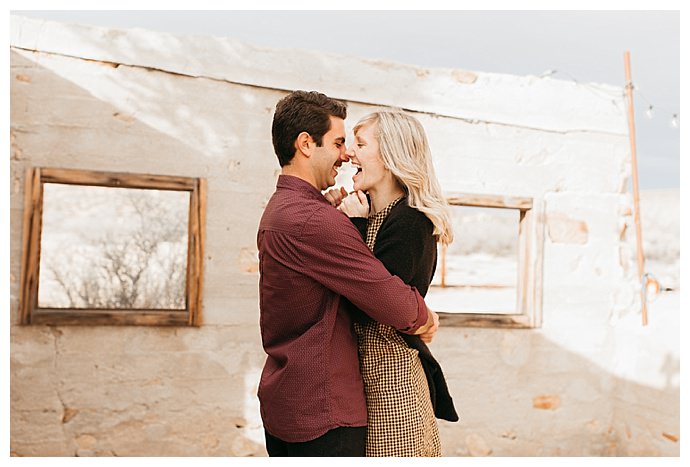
327	184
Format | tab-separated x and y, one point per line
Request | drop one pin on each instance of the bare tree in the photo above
143	268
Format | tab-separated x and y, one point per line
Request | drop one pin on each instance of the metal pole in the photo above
636	190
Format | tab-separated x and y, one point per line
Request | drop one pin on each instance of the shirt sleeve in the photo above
332	252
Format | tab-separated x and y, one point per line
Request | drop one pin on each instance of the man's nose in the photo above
345	155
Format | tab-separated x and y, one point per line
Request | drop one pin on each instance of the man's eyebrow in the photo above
340	139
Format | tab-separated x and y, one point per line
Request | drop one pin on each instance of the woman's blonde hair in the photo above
405	152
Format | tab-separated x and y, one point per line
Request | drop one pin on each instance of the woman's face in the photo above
364	154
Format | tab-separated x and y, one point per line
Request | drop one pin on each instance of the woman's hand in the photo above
355	204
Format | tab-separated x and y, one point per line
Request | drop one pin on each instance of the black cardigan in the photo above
406	246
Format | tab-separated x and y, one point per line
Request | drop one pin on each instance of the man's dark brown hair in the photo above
299	111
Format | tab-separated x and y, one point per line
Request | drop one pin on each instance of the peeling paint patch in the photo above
464	77
594	426
123	117
23	78
622	230
17	153
68	414
624	257
547	402
382	64
563	229
612	449
248	260
538	158
85	441
477	446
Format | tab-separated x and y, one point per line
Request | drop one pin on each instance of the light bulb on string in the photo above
630	86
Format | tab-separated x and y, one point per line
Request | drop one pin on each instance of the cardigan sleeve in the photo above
361	224
402	242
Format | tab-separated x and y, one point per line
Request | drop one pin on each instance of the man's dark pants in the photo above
341	441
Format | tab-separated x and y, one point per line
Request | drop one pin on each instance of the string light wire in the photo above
651	109
650	112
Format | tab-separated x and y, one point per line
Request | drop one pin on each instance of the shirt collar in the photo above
292	183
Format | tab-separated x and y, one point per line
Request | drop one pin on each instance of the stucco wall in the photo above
145	102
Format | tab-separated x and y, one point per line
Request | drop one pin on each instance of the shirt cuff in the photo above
423	313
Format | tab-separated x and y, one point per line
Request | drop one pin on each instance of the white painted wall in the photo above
589	382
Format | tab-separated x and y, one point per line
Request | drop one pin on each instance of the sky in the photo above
584	46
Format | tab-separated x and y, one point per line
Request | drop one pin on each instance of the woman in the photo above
401	221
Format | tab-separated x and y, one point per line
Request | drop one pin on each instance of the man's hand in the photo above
335	197
427	332
355	204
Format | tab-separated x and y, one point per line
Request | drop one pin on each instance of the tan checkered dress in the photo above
401	419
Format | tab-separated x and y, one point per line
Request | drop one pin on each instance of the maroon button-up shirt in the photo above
310	255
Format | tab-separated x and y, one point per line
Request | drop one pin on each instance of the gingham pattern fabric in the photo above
400	416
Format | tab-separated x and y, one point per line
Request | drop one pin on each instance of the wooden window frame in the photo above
30	313
528	313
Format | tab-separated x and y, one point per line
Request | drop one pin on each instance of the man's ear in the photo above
304	143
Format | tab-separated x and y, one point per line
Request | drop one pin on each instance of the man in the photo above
310	257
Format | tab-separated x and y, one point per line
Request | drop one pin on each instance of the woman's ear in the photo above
304	143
